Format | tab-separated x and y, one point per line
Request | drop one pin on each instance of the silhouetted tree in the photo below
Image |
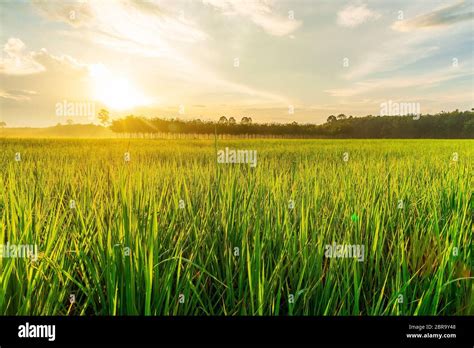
244	120
223	120
341	117
103	116
456	124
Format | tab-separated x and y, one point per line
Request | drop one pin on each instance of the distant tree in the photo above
469	127
341	117
2	124
232	120
223	120
245	120
454	124
249	119
104	117
70	122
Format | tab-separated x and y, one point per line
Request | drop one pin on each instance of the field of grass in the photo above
172	232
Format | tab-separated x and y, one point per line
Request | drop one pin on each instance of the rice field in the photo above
159	227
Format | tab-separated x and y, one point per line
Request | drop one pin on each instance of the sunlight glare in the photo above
114	91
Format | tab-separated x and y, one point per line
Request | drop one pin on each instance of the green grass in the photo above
191	251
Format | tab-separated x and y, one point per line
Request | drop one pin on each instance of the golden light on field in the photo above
115	92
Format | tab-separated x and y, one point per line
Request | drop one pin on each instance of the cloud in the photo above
20	62
352	16
161	29
150	29
393	54
39	73
28	95
249	95
17	95
397	82
442	17
130	26
17	60
75	13
260	12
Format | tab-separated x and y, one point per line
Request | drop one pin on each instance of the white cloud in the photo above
25	74
151	29
393	54
17	61
20	95
130	26
397	82
352	16
249	95
444	16
260	12
28	95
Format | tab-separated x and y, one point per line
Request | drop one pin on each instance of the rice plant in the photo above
167	230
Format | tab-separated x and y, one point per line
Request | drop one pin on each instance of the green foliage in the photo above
445	125
191	251
104	116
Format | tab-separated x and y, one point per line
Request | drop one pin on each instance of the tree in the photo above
104	117
223	120
454	124
2	124
341	117
232	120
70	122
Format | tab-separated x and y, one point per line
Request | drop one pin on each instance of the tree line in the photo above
454	124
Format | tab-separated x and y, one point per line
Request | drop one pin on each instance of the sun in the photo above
114	91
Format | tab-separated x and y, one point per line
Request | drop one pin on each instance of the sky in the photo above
274	61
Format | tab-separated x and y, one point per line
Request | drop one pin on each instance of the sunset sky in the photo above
203	59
